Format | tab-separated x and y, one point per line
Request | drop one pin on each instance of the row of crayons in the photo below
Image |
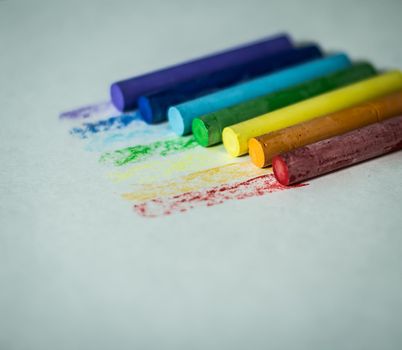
304	112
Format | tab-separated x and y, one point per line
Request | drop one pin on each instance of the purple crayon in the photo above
124	94
153	107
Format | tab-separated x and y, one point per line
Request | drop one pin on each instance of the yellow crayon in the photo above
235	137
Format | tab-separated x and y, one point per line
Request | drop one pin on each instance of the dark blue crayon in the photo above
124	94
153	107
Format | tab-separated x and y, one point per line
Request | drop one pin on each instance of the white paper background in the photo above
319	267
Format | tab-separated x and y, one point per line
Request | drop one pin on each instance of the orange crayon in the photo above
263	148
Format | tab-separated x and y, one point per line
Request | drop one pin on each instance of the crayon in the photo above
124	94
338	152
153	107
208	129
186	112
263	148
235	138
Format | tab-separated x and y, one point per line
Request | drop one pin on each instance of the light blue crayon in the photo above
181	116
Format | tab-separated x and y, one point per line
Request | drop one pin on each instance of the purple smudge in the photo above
88	111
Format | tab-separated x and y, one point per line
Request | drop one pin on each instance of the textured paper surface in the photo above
310	268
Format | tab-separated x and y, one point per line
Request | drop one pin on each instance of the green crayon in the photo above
207	129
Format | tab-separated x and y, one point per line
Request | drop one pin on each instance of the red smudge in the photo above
257	186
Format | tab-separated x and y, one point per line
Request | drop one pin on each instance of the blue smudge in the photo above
108	141
112	123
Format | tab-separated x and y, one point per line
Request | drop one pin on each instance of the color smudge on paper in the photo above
101	109
195	181
136	133
257	186
175	165
167	174
140	152
111	123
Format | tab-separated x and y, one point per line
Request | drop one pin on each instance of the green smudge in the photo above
141	152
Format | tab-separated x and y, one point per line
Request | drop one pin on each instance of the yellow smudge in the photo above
173	166
196	181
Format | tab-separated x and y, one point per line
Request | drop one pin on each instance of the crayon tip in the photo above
256	152
145	110
117	97
231	142
176	121
201	132
281	171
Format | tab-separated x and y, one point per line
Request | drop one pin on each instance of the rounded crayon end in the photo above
281	170
117	97
145	110
231	142
176	121
257	154
201	132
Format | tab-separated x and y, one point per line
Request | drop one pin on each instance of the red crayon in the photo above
338	152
